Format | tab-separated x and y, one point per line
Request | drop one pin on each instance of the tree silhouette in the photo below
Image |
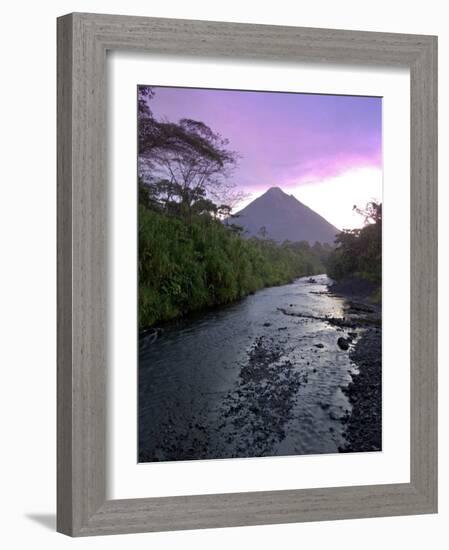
183	163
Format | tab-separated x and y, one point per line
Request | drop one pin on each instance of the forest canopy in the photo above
358	252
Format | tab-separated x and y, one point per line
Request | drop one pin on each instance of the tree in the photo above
372	213
183	163
358	252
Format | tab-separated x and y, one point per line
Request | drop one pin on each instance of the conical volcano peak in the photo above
282	217
275	190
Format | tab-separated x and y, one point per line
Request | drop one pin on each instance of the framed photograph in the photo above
247	280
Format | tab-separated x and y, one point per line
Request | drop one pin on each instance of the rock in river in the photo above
343	343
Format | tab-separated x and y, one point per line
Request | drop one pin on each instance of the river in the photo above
248	379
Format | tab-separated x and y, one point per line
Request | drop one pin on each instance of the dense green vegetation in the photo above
191	252
358	252
188	266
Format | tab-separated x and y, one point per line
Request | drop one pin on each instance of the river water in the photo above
249	379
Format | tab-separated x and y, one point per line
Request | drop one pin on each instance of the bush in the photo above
189	265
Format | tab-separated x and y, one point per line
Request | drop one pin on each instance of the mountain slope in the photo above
281	217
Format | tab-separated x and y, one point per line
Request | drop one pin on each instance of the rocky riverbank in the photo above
364	423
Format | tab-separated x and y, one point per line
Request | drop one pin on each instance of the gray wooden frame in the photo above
83	40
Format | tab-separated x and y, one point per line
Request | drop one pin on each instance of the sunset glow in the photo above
326	150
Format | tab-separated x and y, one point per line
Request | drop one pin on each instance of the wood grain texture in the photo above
83	40
64	277
424	252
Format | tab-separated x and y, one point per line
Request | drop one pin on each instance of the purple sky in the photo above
285	139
